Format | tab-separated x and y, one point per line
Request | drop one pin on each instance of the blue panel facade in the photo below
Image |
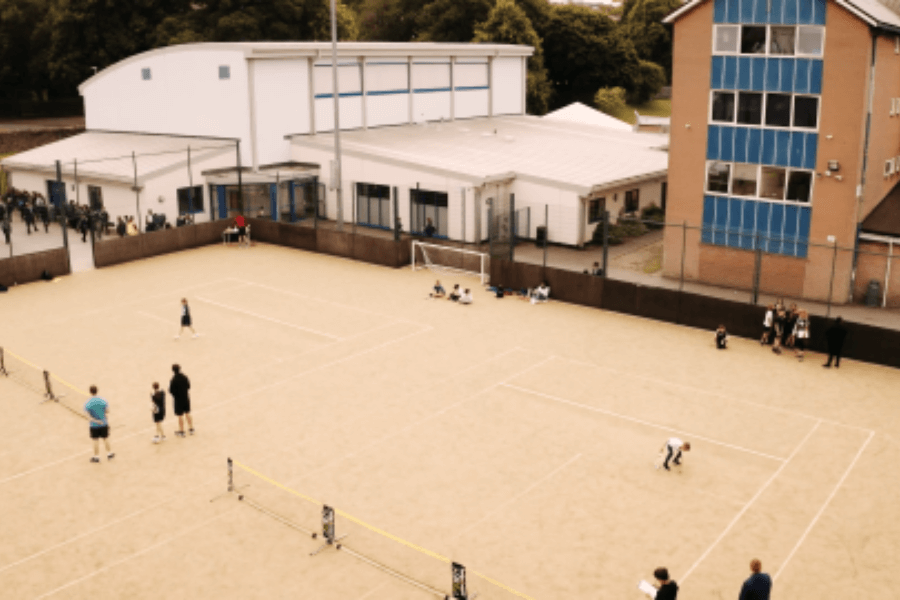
719	12
776	225
802	68
745	73
782	147
815	77
740	144
729	78
790	12
787	75
717	72
748	224
758	78
818	12
721	221
774	12
726	148
791	219
809	155
768	147
746	11
805	11
712	142
754	145
735	212
709	214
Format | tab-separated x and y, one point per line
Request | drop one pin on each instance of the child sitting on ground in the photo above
438	290
721	338
540	294
454	294
466	297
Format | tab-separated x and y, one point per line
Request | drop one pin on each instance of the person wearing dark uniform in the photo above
721	338
186	319
158	400
667	589
758	586
179	387
835	336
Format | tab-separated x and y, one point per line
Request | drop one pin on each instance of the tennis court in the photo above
517	440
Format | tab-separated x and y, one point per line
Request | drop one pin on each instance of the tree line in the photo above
48	47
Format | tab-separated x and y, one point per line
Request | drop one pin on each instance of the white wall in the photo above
507	83
471	103
387	91
281	98
649	192
350	88
183	96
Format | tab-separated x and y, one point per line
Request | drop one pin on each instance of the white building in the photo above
262	115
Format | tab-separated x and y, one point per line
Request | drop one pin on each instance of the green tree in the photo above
451	20
507	23
642	23
585	51
610	100
390	20
651	79
21	75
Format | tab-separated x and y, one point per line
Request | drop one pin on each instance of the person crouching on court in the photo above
97	410
721	338
673	449
158	405
438	290
179	387
466	297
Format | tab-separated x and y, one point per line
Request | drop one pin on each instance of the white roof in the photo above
881	13
572	156
585	115
108	155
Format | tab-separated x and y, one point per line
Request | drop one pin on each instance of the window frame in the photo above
764	106
769	37
598	203
768	27
790	115
727	181
712	102
759	167
715	39
198	206
634	193
765	52
818	100
224	72
821	54
99	190
146	74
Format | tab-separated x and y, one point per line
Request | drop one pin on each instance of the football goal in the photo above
446	258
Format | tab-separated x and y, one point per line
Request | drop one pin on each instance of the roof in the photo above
885	218
877	13
585	115
580	158
107	156
322	50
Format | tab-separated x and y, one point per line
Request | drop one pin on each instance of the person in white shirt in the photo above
767	325
673	448
466	297
801	333
454	293
540	294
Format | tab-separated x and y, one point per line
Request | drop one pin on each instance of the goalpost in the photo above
446	258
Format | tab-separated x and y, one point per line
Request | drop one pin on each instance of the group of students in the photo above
785	328
455	295
536	295
756	587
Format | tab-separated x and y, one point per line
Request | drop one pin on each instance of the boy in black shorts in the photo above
97	410
185	319
158	400
179	387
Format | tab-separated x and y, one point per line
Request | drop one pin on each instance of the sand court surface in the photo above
517	440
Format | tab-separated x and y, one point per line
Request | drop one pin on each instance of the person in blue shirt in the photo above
97	410
758	586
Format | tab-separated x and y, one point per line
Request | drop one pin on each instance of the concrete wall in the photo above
25	269
872	263
506	86
281	106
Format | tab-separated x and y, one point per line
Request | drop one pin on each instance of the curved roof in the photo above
284	50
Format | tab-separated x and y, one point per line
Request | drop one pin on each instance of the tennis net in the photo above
331	528
43	382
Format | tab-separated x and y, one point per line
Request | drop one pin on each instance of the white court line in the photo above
692	436
265	318
166	321
520	494
372	591
223	403
749	504
824	506
713	394
136	554
102	527
718	496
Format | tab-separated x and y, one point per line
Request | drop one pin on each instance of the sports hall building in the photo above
429	131
785	139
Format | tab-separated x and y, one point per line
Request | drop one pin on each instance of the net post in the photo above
459	582
230	475
2	363
48	393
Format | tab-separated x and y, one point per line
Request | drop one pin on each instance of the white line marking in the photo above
180	494
718	496
691	388
520	494
166	321
265	318
372	591
136	554
750	503
693	436
824	506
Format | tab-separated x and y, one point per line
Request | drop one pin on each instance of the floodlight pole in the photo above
62	211
336	170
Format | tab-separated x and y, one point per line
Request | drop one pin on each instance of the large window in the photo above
632	200
781	40
727	38
753	39
757	181
772	40
723	107
95	197
717	177
190	200
428	206
749	108
373	205
806	111
810	40
778	110
744	180
799	184
772	180
595	210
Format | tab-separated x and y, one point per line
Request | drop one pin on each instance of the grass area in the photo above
653	108
3	176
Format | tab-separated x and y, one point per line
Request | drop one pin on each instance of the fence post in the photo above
831	284
398	227
546	231
757	271
605	243
887	273
137	193
62	212
240	183
512	237
684	229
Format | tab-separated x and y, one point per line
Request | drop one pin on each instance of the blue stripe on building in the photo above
773	12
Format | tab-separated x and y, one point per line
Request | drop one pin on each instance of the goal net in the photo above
445	258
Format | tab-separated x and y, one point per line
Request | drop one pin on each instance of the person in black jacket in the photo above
666	589
179	388
758	586
835	336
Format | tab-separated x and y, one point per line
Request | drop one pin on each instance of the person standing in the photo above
7	230
801	333
185	319
673	448
768	323
721	338
158	401
666	588
758	586
241	225
180	387
835	336
97	410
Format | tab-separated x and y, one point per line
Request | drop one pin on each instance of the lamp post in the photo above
336	169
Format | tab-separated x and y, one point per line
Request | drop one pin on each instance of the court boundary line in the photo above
643	422
270	319
712	393
824	506
152	316
750	503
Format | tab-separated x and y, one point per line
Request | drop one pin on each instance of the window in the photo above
744	181
781	40
723	107
190	200
224	72
772	183
753	39
427	205
717	177
799	185
809	40
373	205
806	111
889	167
749	108
726	38
95	196
595	210
778	110
145	74
632	200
